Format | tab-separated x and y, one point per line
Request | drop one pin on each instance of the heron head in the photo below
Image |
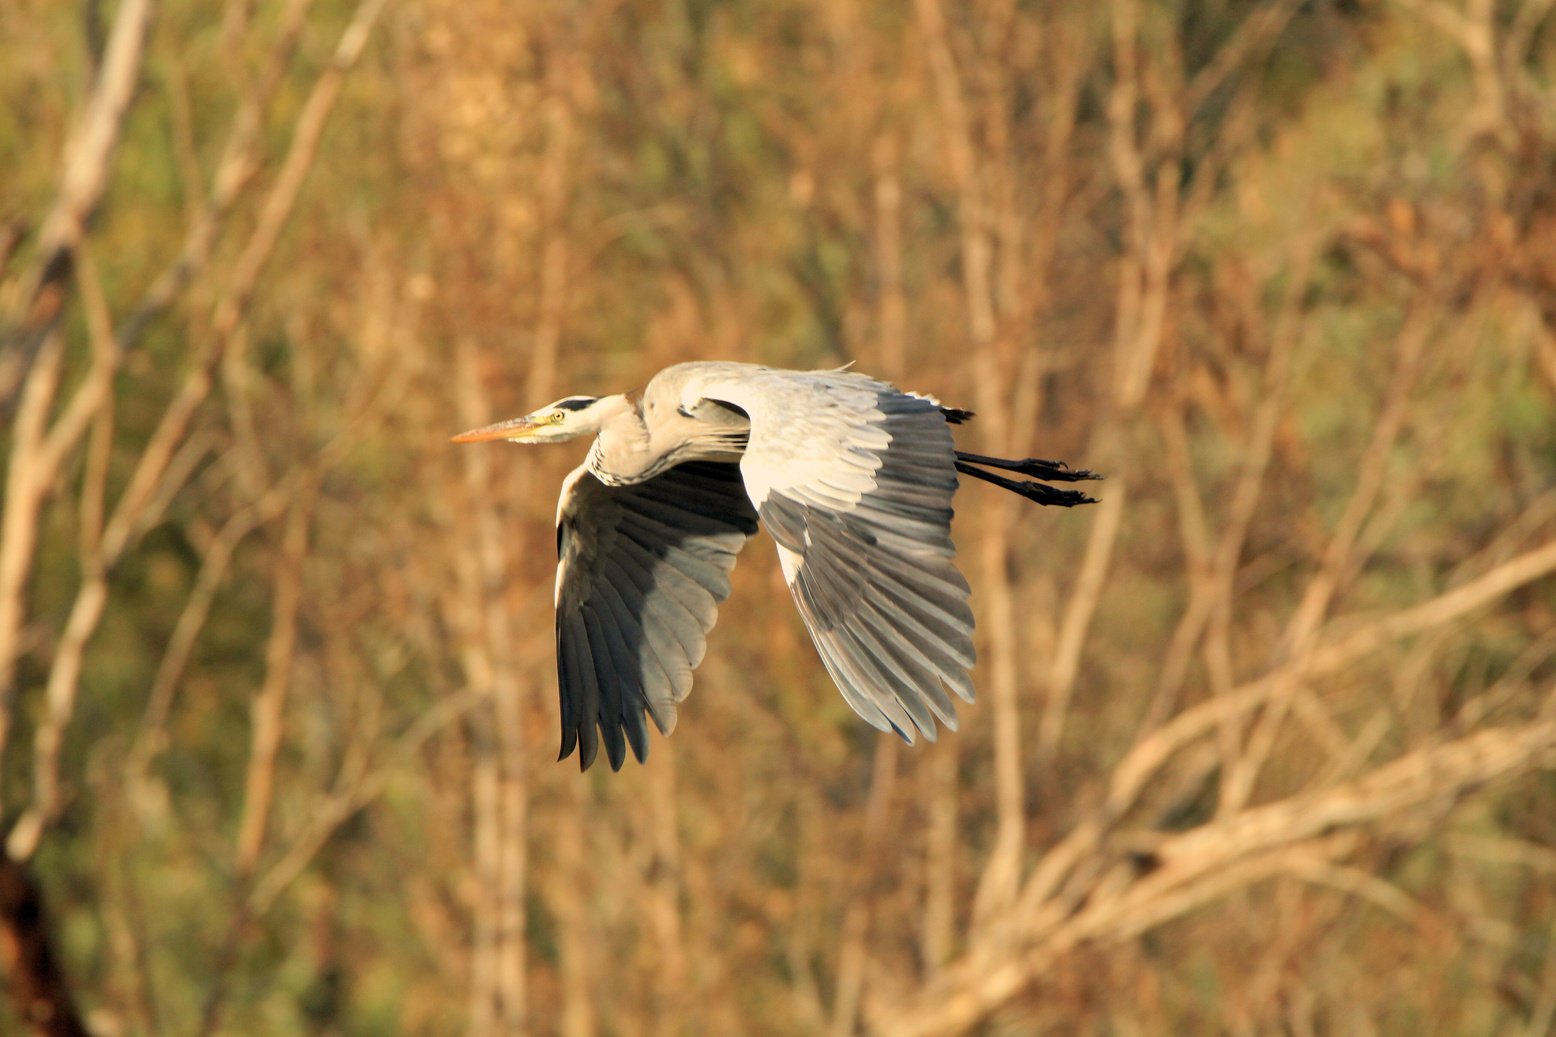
567	418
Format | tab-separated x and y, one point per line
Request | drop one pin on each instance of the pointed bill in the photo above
514	428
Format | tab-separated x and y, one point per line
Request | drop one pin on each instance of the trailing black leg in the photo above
1036	467
1040	493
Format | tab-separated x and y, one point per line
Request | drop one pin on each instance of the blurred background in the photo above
1265	742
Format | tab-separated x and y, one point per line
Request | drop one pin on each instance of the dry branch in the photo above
161	469
971	173
486	634
1184	872
84	177
1082	891
1148	755
268	708
25	488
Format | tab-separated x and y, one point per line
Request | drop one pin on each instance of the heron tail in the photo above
955	415
1039	469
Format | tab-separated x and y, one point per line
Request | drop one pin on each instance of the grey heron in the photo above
852	478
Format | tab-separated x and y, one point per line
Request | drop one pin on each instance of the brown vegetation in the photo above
1265	742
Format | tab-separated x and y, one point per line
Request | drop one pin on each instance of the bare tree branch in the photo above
85	168
1205	863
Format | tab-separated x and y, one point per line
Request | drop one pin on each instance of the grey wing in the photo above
641	571
854	480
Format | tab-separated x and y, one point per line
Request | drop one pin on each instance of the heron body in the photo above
851	477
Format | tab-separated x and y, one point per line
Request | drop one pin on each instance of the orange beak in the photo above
514	428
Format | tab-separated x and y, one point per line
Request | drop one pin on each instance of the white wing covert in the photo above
854	480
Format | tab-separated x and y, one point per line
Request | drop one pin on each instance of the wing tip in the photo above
588	748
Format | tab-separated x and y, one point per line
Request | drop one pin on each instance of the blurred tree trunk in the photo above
39	991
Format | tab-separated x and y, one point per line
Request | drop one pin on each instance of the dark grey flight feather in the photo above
641	572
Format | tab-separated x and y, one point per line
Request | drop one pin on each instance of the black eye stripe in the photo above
575	403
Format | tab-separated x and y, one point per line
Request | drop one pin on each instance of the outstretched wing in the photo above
854	479
641	571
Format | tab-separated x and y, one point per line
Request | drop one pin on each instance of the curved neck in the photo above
621	453
627	451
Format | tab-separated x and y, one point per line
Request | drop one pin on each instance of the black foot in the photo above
1036	467
1037	492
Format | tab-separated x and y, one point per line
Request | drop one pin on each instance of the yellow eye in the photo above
557	417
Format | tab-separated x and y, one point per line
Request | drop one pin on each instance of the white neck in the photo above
621	453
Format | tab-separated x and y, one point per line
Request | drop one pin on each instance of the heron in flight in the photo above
852	477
